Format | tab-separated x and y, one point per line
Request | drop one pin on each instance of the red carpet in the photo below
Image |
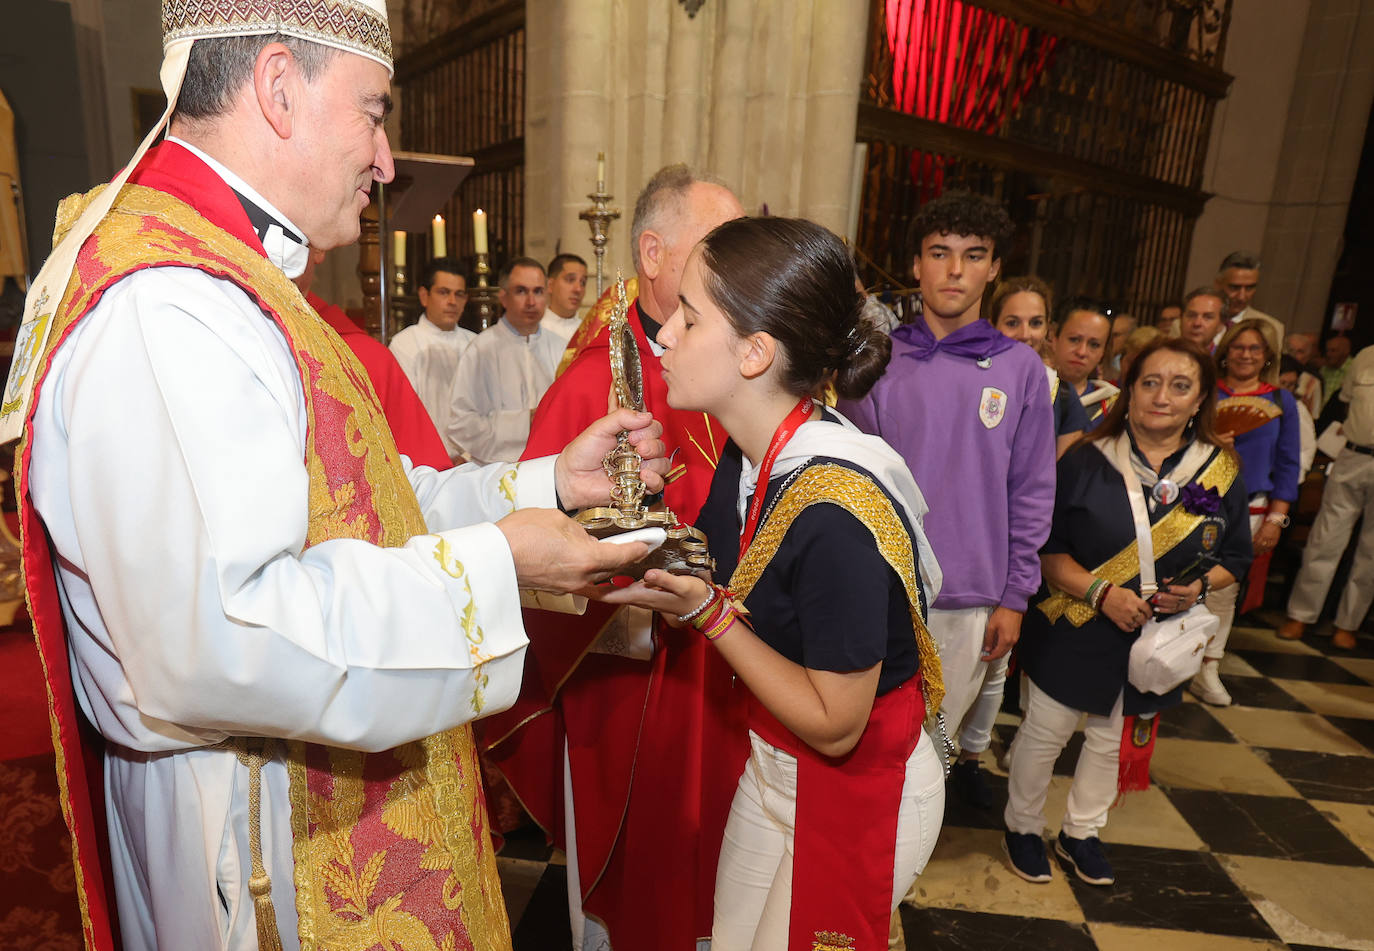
38	909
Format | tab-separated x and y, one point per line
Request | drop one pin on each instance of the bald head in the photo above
1303	347
674	212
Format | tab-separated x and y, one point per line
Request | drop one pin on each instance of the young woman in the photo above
818	529
1080	343
1020	309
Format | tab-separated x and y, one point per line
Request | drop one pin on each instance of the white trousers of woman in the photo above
754	878
1044	731
1223	603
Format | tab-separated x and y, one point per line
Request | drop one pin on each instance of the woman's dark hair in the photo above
793	280
1204	425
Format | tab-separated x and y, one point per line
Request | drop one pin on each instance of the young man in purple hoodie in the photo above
970	411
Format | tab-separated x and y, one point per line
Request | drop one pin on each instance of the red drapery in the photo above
962	65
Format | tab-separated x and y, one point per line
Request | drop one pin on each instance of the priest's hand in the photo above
553	553
578	474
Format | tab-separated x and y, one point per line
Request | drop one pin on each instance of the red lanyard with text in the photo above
800	413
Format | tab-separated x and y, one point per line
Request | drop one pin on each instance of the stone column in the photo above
1322	143
1285	147
762	93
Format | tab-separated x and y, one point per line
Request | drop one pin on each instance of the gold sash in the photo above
870	505
1166	535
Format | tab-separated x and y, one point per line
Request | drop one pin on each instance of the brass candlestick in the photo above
598	217
484	296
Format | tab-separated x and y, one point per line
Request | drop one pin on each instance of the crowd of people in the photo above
298	628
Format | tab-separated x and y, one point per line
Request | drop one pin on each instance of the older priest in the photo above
219	533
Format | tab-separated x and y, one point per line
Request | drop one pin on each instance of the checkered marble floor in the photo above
1257	832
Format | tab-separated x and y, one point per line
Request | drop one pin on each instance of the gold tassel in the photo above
260	883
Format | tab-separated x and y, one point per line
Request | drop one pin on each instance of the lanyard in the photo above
800	413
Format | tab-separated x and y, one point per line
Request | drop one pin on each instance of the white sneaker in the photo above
1206	686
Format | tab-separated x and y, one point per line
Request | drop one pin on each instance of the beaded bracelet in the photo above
691	615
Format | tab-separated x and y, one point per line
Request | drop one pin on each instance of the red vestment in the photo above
655	747
410	423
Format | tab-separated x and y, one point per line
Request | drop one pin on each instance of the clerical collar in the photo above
284	243
651	329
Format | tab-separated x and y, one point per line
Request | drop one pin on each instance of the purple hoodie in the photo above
980	442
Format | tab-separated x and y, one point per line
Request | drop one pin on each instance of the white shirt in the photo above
429	358
168	467
1358	391
501	378
562	327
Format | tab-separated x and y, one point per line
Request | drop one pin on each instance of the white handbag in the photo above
1168	651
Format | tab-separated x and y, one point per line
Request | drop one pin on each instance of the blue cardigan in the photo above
1270	454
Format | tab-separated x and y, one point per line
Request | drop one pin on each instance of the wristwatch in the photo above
1206	587
1278	518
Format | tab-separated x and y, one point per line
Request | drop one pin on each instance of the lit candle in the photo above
440	237
600	169
398	248
479	231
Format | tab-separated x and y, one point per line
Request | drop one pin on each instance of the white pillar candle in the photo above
440	237
479	231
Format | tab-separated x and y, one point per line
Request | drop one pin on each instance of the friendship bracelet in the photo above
712	615
711	596
727	619
1091	594
1102	595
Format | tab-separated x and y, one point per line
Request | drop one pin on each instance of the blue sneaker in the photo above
1086	858
1026	853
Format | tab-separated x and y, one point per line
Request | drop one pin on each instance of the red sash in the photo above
846	830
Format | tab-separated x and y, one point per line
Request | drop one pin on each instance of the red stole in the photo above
654	746
846	828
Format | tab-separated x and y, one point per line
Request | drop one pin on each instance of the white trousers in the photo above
1047	726
975	735
1223	603
754	878
959	637
1349	493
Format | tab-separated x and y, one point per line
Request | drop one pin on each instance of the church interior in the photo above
1135	144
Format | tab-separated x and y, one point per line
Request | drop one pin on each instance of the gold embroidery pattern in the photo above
832	941
595	321
357	489
472	630
871	506
1166	534
507	485
340	22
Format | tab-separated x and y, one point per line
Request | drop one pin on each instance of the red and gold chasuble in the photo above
390	848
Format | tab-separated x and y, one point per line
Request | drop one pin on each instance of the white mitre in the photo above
355	26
